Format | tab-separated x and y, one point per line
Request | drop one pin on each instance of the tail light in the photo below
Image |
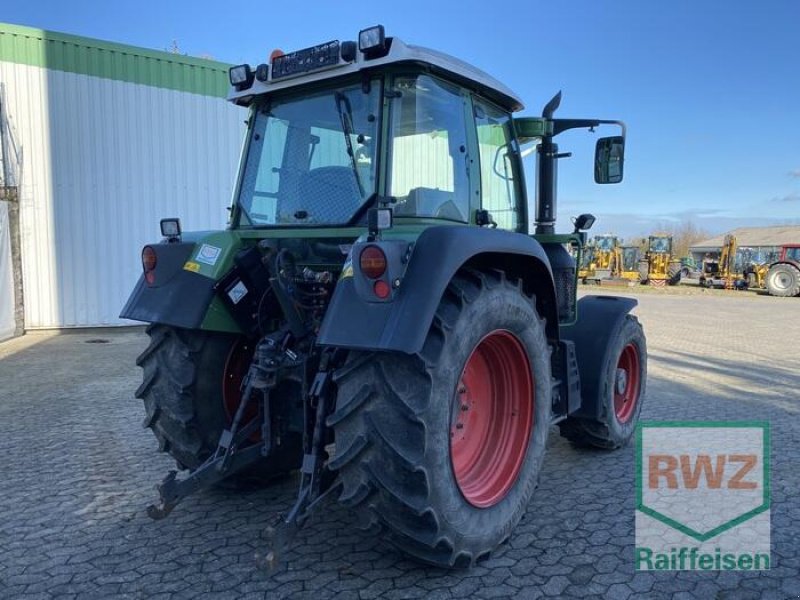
382	289
373	262
149	261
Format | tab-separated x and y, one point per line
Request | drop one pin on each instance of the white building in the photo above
99	142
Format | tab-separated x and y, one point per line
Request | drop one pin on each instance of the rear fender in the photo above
419	277
598	318
182	293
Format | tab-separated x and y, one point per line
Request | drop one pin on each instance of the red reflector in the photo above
149	259
381	289
373	262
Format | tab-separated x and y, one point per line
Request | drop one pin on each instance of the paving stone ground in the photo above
78	471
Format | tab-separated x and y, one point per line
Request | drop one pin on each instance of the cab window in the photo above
498	173
428	155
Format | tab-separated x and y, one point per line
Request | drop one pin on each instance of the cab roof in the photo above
399	53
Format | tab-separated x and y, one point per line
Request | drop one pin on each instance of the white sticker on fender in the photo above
208	254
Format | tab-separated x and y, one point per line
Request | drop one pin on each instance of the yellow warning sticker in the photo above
192	266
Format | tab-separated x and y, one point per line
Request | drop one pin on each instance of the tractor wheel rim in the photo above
627	383
236	366
492	419
781	281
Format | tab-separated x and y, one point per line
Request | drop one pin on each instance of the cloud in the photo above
795	174
793	197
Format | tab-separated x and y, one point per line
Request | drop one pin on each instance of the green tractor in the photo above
377	315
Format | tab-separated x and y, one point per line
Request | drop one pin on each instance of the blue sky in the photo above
710	90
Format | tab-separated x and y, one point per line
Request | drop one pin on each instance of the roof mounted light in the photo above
241	76
372	41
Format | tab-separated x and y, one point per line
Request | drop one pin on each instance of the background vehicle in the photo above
659	267
606	257
628	261
586	265
726	271
378	314
783	276
689	268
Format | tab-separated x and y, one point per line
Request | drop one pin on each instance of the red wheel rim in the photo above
627	383
492	419
236	367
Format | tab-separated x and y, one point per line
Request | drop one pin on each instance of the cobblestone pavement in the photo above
78	471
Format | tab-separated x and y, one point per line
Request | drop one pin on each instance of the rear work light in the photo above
171	229
373	262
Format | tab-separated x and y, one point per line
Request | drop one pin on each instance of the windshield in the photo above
630	258
660	245
605	243
310	160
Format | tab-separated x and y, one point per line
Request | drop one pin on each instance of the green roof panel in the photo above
86	56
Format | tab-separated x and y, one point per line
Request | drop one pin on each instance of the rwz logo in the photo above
705	482
692	469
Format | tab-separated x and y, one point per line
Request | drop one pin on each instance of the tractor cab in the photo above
337	129
660	244
342	127
790	253
605	243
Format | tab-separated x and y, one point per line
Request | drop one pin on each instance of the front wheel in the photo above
621	392
442	450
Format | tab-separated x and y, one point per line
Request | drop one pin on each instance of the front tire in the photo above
442	450
622	392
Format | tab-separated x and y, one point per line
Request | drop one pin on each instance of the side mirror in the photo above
609	157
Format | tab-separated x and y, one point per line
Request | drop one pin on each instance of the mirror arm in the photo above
561	125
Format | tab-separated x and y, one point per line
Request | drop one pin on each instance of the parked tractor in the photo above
659	267
378	314
783	276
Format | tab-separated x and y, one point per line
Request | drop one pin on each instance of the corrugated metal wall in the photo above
102	160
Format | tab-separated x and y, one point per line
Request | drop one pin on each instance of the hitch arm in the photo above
315	487
173	490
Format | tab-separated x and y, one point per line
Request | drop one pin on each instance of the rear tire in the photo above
407	467
182	390
674	273
783	280
621	407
